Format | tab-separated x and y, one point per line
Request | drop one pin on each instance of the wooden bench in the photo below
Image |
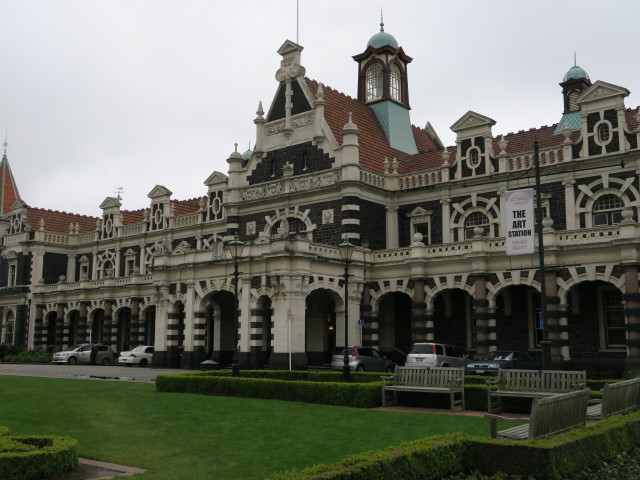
531	384
432	380
549	416
617	398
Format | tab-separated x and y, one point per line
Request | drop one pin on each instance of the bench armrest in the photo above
385	378
493	422
491	382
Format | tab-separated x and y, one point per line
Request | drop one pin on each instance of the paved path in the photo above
86	372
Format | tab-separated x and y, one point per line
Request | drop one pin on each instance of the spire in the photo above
8	189
381	21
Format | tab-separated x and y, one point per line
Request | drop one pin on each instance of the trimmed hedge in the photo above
33	457
361	395
551	458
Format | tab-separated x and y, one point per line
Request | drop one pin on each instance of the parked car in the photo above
140	356
81	353
362	359
498	359
429	354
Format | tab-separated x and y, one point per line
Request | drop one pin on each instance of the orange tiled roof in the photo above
58	222
374	146
9	193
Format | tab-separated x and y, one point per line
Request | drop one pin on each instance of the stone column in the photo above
419	307
105	335
83	334
38	341
60	338
632	314
134	326
481	316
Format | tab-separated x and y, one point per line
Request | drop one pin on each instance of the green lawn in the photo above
203	437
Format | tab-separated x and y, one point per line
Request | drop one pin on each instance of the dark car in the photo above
501	359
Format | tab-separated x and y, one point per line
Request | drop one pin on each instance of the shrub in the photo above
16	354
33	457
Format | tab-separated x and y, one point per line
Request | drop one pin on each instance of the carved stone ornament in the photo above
297	122
315	181
289	71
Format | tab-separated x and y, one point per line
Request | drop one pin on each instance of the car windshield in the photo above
138	349
499	356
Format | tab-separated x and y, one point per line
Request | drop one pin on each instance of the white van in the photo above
429	354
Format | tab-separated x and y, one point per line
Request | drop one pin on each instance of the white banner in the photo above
519	221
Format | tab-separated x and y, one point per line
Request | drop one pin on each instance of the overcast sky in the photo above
97	94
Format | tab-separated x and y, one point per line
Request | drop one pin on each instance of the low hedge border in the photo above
360	395
552	458
33	457
364	391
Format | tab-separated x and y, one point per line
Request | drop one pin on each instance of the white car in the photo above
82	353
138	356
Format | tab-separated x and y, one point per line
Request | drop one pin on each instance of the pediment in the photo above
472	120
216	178
18	204
602	90
159	191
419	212
110	202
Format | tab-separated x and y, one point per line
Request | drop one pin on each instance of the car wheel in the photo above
129	364
105	361
72	360
444	365
360	368
143	362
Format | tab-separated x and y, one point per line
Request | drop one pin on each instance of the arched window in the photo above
374	82
607	210
474	157
476	219
395	89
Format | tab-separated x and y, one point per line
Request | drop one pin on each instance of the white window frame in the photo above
373	82
395	83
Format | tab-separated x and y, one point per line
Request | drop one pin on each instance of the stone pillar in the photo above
60	338
38	341
419	307
134	325
105	335
481	316
632	314
365	315
553	314
83	333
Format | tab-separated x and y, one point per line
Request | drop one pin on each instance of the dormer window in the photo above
395	89
374	82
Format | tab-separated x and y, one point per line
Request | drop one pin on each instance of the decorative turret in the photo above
8	189
383	86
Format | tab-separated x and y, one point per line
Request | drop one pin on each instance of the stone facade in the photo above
427	222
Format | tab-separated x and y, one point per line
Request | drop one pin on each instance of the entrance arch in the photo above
123	329
452	310
221	330
321	326
394	313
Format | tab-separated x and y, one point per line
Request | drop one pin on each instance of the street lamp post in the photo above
346	251
235	248
545	343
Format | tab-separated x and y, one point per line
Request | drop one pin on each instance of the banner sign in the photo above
519	221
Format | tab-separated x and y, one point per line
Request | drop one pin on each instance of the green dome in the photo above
247	154
575	73
382	39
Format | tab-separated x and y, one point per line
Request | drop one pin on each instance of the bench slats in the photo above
617	398
531	384
431	379
549	416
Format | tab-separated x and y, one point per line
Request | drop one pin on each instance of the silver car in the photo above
81	353
362	359
142	356
429	354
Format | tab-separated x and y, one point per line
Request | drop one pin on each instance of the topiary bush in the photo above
34	457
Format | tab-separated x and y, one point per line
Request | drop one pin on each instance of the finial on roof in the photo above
381	21
575	59
236	144
119	191
5	141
